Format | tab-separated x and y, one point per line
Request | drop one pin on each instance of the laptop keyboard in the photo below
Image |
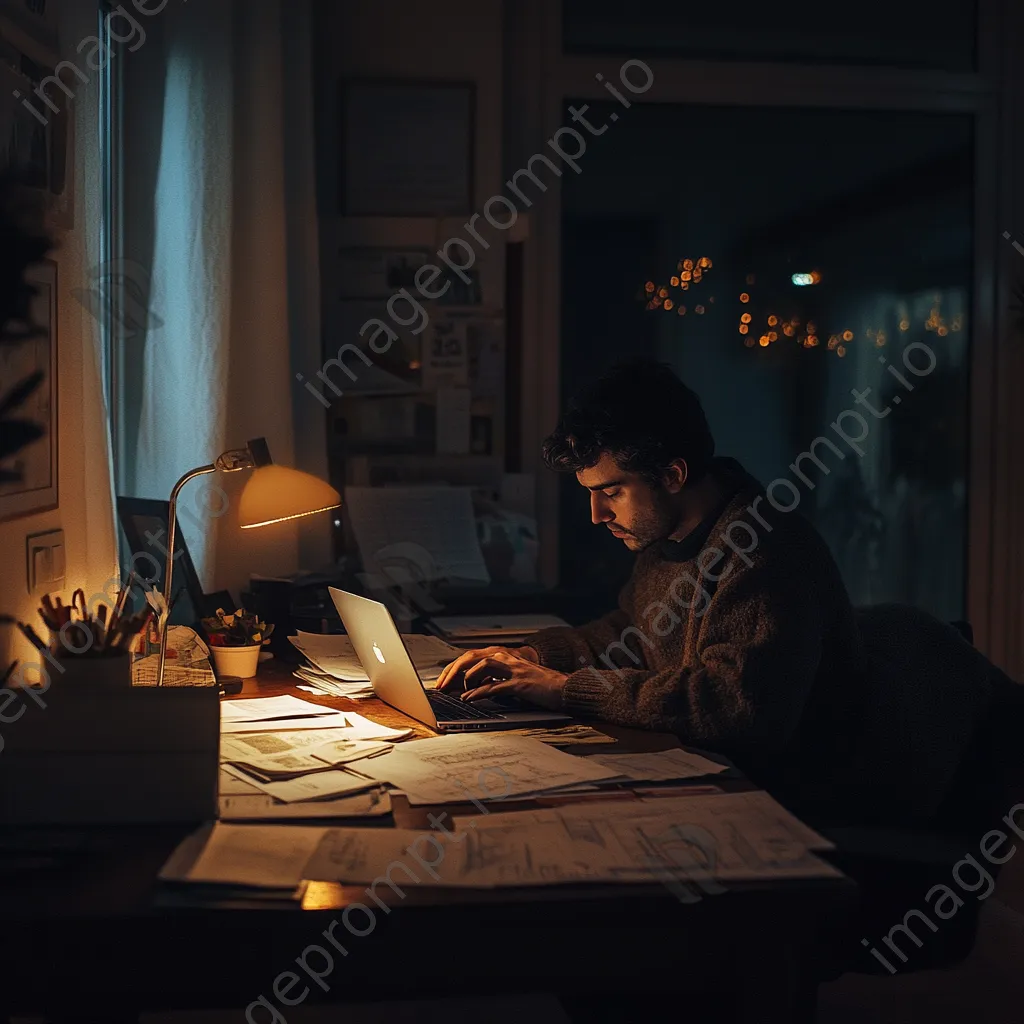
451	709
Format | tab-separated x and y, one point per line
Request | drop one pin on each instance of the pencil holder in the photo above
89	750
100	671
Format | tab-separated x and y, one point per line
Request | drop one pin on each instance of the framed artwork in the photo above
35	464
406	148
36	106
144	522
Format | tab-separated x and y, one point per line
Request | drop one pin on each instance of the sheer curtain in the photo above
227	215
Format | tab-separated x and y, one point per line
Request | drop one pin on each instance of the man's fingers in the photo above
490	689
479	693
487	668
452	673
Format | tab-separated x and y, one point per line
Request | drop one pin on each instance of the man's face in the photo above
634	511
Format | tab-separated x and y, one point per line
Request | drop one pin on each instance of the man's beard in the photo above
652	526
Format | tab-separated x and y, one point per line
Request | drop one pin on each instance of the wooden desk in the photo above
87	937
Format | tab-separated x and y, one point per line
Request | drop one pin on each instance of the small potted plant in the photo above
235	641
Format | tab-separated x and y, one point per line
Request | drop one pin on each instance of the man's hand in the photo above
501	671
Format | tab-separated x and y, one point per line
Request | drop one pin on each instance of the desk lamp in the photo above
272	494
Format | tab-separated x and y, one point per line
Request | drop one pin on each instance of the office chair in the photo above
896	867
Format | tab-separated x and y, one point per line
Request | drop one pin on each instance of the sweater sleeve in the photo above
566	649
758	648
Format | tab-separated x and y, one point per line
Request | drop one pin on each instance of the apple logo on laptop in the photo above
377	651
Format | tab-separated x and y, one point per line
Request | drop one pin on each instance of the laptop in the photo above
394	679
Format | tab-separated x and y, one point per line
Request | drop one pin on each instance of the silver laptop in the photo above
395	680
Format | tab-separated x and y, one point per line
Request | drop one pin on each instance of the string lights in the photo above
690	273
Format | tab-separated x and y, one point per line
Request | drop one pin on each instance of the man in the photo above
735	631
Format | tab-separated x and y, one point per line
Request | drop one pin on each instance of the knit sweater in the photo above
741	639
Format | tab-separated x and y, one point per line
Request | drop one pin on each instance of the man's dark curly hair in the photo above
643	415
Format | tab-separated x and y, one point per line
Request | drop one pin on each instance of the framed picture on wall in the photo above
406	148
36	105
29	483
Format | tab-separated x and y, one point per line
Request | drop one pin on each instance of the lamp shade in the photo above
273	494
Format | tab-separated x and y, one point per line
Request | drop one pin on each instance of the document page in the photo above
480	858
490	766
282	754
258	855
265	709
314	786
432	529
663	766
699	837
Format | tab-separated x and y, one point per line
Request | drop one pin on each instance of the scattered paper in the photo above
232	785
356	726
663	766
575	735
706	840
265	709
263	856
335	719
479	858
315	786
489	767
273	755
361	728
726	836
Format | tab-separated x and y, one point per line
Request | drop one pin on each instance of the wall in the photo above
83	476
455	41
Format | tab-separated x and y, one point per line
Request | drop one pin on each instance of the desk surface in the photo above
92	915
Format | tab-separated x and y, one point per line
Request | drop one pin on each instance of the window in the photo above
840	259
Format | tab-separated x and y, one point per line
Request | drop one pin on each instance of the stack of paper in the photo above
335	667
281	751
318	681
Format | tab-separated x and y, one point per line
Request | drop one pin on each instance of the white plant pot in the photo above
236	661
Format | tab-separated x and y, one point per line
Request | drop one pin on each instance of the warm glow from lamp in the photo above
273	494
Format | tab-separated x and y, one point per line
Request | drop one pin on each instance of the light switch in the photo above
41	563
46	557
57	563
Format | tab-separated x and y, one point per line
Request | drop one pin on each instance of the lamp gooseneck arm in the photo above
172	522
228	462
172	529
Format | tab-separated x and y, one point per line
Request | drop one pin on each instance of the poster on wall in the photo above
446	354
28	477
